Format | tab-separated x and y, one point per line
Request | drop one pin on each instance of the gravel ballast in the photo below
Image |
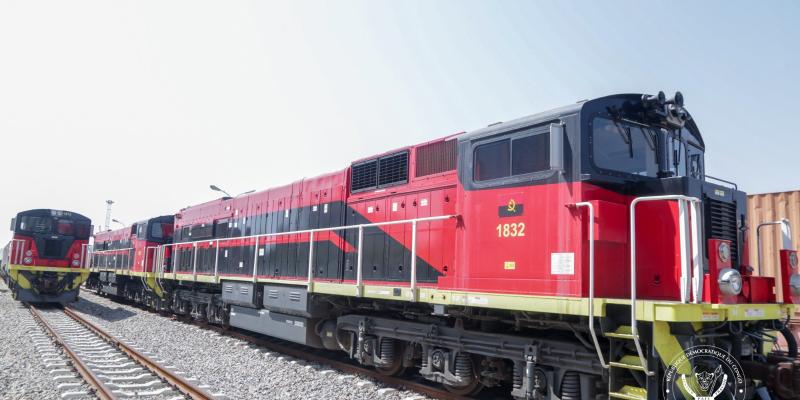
25	353
230	366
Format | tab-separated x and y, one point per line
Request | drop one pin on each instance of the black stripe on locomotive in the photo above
384	258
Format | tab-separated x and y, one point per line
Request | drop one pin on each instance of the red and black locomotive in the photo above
44	261
569	254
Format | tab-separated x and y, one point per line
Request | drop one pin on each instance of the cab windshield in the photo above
41	225
624	147
154	231
632	148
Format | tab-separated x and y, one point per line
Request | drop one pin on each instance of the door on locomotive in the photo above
45	256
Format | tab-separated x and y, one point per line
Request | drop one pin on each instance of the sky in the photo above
147	103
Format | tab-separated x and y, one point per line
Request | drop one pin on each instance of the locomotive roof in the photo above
160	218
49	212
532	119
555	113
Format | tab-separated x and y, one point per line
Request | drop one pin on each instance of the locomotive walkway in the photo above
113	368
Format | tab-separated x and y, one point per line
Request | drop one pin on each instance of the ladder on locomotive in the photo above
631	372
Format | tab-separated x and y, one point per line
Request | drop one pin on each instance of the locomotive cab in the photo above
644	146
604	208
520	175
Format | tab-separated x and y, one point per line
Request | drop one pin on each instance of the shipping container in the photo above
770	207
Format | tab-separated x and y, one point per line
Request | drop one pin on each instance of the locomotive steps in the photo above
113	368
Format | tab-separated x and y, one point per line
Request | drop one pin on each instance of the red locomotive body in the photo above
534	253
131	251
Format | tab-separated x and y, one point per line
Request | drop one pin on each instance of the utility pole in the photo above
108	214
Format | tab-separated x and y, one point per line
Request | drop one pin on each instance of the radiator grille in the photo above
393	169
721	223
436	157
365	176
385	171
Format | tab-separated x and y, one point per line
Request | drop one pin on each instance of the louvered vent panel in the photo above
721	220
393	169
436	157
364	176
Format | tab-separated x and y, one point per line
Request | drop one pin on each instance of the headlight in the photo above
724	251
730	281
76	256
27	260
794	284
76	263
28	253
793	259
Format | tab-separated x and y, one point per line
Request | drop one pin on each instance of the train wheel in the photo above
465	369
468	390
392	351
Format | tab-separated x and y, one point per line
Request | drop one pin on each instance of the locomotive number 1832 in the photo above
513	229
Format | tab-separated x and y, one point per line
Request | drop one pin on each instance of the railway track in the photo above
332	359
114	369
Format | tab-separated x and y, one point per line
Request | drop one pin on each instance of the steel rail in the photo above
101	391
178	382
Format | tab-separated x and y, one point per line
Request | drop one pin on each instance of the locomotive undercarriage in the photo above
202	302
466	361
467	349
43	286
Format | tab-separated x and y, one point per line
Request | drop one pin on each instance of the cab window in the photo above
64	228
694	162
493	160
83	231
512	157
156	231
530	154
36	224
624	147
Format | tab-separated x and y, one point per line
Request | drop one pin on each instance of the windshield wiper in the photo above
676	160
626	136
